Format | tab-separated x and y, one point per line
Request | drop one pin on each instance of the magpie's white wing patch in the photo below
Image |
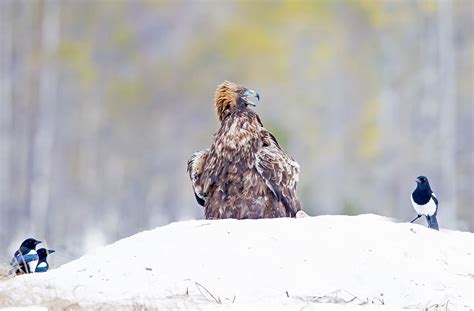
25	258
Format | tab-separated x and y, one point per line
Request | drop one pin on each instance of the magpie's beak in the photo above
50	251
418	180
37	242
250	93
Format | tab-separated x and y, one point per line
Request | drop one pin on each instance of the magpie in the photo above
25	258
425	202
43	265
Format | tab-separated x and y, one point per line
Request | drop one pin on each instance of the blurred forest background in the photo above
103	102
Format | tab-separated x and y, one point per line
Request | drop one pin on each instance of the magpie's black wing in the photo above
434	198
18	263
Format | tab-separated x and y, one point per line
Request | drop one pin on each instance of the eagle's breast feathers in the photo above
245	173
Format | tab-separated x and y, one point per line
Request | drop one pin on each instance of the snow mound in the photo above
364	261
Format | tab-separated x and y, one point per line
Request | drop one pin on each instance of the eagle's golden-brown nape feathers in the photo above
226	97
230	95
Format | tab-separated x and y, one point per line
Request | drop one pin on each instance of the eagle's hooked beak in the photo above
250	93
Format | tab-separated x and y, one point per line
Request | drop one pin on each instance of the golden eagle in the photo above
245	173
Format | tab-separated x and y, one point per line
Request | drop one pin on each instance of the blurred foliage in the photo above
123	96
77	56
369	139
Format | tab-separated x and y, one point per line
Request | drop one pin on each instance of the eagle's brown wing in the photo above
195	168
279	171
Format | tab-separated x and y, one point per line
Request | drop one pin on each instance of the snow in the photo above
31	308
334	262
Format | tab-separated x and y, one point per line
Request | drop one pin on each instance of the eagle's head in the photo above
231	96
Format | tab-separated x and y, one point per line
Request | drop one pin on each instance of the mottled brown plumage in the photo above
245	173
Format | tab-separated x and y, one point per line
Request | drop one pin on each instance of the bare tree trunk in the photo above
447	114
44	133
333	201
6	50
388	120
21	20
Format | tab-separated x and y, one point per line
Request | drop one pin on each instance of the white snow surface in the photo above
328	262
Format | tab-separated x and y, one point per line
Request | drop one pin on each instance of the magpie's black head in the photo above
30	243
422	180
422	183
43	252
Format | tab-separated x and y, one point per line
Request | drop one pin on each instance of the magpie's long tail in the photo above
432	222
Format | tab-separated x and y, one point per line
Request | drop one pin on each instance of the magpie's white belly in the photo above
427	209
32	265
42	265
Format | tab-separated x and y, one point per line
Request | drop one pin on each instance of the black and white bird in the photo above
425	202
25	258
43	265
